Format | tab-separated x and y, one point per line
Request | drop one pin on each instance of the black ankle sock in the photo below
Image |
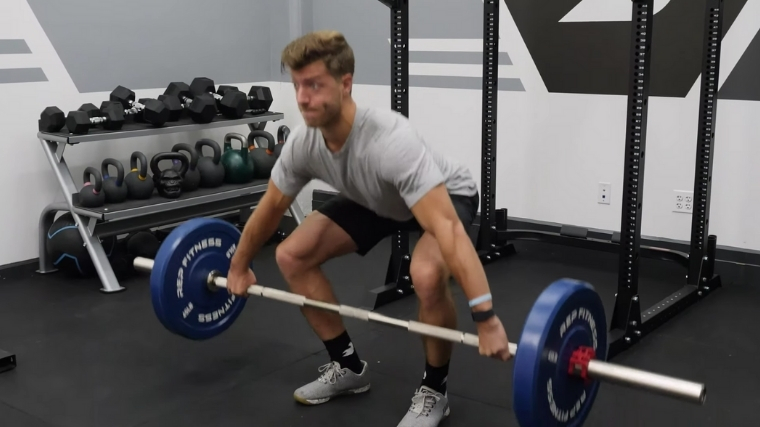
435	377
342	350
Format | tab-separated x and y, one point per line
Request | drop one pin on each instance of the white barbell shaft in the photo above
597	369
366	315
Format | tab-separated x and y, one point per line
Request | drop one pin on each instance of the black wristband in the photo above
482	316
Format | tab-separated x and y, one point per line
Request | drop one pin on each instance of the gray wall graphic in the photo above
147	44
368	32
19	75
593	57
14	47
279	37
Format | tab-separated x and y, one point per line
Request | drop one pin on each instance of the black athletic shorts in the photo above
367	229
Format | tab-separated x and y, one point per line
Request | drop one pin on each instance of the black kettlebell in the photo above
263	157
139	187
91	195
192	178
210	168
238	168
168	182
282	135
114	187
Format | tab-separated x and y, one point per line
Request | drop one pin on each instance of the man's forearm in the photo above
258	229
463	261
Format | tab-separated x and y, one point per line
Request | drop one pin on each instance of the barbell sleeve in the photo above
144	264
657	383
596	369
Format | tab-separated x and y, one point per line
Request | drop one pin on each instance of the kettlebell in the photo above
168	182
91	195
263	157
210	168
139	187
114	187
282	135
238	168
192	178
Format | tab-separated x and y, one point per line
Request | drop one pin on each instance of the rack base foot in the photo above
658	314
7	361
497	253
387	294
113	289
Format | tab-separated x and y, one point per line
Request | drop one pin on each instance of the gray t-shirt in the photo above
385	165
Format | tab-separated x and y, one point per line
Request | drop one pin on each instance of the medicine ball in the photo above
143	244
67	250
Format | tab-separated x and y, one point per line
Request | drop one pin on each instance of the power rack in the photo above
629	323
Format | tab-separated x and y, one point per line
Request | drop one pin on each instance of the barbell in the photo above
558	364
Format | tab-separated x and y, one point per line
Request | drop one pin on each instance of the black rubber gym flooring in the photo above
90	359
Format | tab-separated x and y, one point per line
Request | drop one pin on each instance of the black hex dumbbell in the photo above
80	121
146	110
174	105
202	107
52	119
259	97
232	103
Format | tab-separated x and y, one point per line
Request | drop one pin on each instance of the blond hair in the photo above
328	46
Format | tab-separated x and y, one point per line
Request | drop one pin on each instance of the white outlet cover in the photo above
604	194
682	201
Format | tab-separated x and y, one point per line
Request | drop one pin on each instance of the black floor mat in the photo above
10	416
268	402
91	359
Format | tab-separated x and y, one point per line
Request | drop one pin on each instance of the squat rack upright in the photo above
398	283
629	324
491	242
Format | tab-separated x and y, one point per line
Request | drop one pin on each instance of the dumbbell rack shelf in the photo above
134	215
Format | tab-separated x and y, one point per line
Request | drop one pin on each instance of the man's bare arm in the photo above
436	215
260	226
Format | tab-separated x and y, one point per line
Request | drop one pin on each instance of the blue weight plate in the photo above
567	315
182	301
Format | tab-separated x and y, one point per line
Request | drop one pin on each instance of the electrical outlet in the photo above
603	196
683	201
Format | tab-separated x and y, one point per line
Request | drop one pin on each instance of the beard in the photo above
321	117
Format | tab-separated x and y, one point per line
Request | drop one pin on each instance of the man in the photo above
388	179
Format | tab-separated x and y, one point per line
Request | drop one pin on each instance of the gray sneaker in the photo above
428	409
333	382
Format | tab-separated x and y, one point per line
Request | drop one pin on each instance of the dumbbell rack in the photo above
135	215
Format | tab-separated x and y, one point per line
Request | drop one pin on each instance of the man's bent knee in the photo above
292	259
312	243
430	282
